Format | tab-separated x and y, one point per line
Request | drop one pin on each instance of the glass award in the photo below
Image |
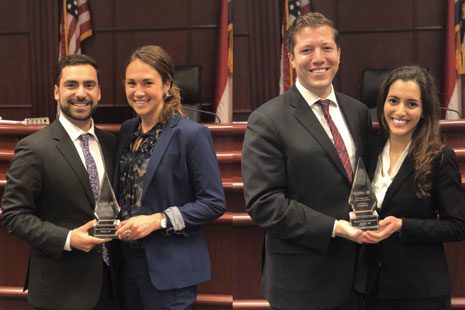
363	201
106	212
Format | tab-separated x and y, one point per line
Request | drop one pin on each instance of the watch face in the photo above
163	222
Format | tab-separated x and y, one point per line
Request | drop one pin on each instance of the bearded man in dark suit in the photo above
49	198
299	156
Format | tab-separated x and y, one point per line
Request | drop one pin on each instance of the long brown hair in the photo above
426	142
156	57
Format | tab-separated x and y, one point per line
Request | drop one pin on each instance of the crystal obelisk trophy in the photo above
363	201
106	212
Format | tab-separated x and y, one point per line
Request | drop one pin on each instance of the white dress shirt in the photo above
74	133
336	116
338	119
382	178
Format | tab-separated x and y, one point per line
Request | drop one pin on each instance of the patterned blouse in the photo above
132	167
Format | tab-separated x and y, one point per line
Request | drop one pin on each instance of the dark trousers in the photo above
106	301
139	292
437	303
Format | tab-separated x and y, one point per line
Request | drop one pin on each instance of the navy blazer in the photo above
183	172
412	264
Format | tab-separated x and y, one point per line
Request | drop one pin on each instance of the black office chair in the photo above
187	78
371	81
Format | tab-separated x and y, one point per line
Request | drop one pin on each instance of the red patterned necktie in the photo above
338	142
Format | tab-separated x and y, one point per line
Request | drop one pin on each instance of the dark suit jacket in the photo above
183	171
295	186
412	264
47	194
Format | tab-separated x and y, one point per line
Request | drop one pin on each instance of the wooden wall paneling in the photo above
326	7
429	44
16	80
242	81
15	32
14	253
456	258
102	15
430	13
205	13
242	85
101	49
147	14
264	50
220	238
363	15
43	56
360	51
202	40
14	16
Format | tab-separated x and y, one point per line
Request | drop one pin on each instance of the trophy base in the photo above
105	229
364	221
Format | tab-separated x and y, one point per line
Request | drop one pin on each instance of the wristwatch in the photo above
163	220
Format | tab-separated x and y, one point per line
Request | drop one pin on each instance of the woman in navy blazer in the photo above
417	182
168	185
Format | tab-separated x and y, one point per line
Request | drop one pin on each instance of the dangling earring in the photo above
167	95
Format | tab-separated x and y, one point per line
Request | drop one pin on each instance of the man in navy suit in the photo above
298	163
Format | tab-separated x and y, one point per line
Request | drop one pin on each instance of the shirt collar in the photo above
311	98
73	131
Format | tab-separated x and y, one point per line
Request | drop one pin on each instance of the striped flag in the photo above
292	9
224	90
454	58
75	26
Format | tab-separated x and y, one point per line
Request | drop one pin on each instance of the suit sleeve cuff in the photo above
67	246
175	218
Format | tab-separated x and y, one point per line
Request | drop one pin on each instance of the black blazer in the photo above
48	193
295	186
412	264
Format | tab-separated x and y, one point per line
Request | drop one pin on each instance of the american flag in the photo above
292	9
75	26
223	92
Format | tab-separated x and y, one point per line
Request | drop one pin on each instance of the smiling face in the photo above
315	59
403	109
78	93
144	91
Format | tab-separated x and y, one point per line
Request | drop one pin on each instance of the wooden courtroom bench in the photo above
235	243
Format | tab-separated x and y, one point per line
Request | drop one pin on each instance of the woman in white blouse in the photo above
416	180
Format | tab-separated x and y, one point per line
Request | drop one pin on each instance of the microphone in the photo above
452	110
202	111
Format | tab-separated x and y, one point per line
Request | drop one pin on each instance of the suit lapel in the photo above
304	114
353	123
160	149
66	147
404	172
105	151
125	134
